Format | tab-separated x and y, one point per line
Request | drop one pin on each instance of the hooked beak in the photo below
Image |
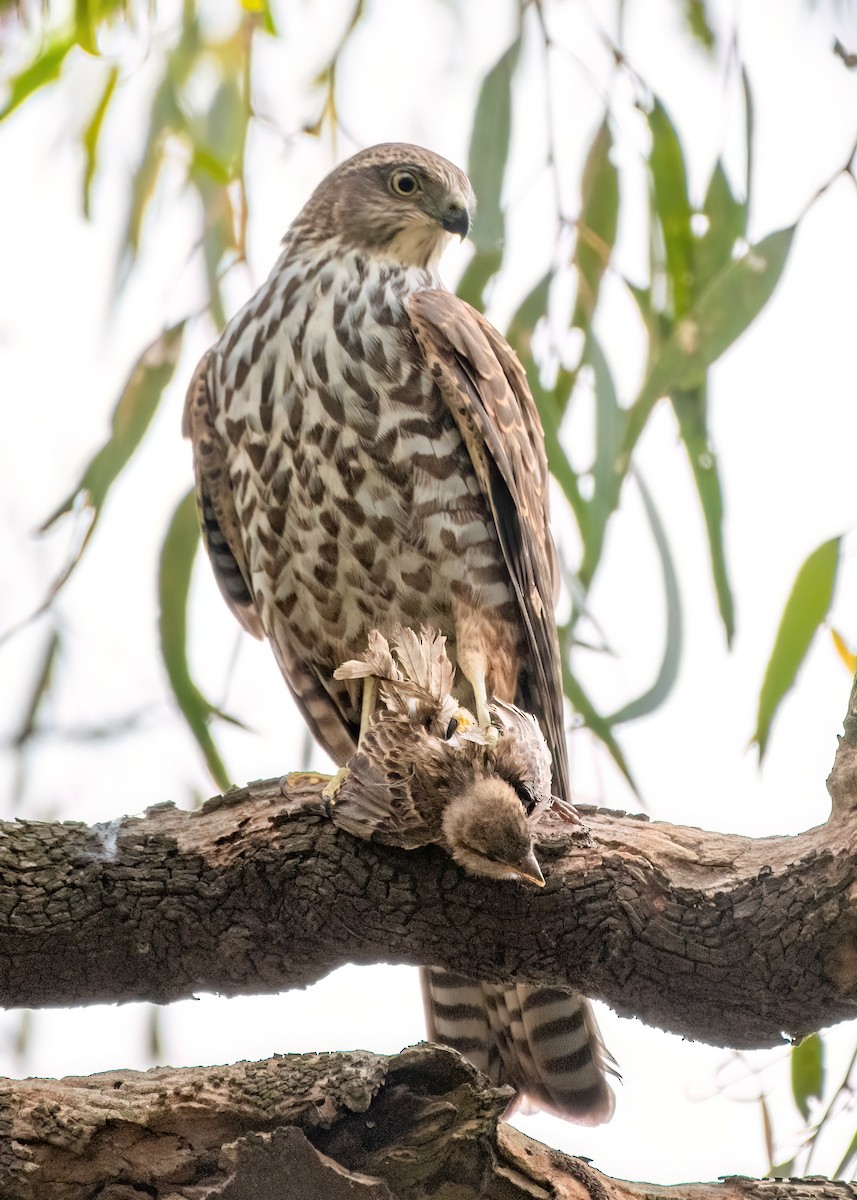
529	871
456	217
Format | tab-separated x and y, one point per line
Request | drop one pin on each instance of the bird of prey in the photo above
368	454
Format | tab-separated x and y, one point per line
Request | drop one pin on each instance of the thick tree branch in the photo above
300	1127
720	938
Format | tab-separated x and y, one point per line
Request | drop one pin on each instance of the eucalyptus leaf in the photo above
489	149
806	607
596	225
807	1072
174	576
667	674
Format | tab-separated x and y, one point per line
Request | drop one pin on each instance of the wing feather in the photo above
485	388
223	540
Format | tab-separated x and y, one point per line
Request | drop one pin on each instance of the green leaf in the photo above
672	206
805	609
607	473
40	690
698	24
489	149
530	311
45	68
749	134
807	1062
690	410
724	310
91	135
848	1160
478	274
262	9
583	705
174	575
596	226
131	417
727	222
668	671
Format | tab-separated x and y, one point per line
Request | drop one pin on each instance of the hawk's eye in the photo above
404	183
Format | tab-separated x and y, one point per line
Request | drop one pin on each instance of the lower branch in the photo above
299	1127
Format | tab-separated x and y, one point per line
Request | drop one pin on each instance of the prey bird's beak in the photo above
456	217
529	871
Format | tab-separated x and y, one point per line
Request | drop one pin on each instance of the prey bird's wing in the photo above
373	804
484	385
224	540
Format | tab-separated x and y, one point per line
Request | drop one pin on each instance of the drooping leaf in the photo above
698	24
607	473
91	134
749	135
174	576
596	226
690	412
477	275
39	692
807	1071
847	656
726	220
44	68
262	9
131	417
672	206
849	1158
673	636
489	149
724	310
592	719
805	609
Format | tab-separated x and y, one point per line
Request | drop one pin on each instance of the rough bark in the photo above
720	938
422	1123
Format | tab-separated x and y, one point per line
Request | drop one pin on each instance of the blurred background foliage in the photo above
705	282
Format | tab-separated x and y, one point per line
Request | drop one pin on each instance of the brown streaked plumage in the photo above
367	453
424	775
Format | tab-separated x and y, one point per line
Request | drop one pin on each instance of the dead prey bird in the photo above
425	773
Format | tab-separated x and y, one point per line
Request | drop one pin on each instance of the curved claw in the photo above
565	811
331	790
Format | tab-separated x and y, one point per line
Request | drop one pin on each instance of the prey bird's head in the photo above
396	201
486	832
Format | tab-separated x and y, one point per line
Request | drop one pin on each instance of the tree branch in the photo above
720	938
350	1126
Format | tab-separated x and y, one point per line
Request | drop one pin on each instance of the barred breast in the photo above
357	499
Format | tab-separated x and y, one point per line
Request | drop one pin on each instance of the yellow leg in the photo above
476	679
367	707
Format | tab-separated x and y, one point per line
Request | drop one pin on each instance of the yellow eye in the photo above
404	183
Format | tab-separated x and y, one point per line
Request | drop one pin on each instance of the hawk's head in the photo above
397	201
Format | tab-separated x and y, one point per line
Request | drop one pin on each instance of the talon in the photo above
565	811
492	736
331	789
302	779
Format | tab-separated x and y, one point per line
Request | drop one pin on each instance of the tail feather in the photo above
542	1041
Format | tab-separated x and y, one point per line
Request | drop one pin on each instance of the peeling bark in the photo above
352	1126
724	939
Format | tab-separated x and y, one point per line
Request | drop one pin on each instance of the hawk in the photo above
368	454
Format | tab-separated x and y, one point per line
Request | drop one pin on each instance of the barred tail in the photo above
542	1041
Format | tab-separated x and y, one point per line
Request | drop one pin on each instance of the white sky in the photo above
785	427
